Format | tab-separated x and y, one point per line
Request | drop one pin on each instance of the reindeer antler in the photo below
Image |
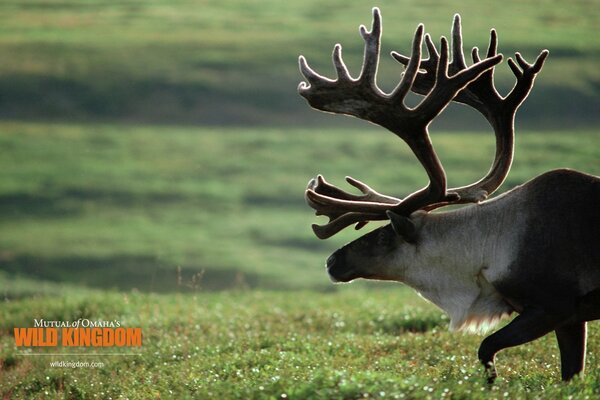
482	95
362	98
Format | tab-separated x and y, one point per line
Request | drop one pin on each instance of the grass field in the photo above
269	345
235	61
141	203
149	224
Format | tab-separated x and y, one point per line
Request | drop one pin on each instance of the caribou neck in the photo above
459	257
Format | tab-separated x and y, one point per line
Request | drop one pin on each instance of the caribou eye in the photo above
383	239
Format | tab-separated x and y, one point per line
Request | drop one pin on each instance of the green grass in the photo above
265	345
235	61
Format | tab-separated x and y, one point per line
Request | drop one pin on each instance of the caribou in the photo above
532	251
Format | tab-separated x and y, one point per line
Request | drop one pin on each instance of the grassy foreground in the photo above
353	344
266	345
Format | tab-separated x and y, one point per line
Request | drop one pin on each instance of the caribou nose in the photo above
337	268
331	261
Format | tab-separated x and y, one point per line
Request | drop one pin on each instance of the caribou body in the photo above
534	250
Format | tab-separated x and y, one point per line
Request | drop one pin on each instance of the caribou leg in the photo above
526	327
571	342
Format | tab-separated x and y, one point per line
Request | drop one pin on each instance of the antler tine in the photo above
424	82
525	78
493	46
340	66
328	230
343	208
326	205
412	67
458	57
368	74
321	186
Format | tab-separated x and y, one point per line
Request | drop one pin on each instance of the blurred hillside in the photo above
234	61
165	209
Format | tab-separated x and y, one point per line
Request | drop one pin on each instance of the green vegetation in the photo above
234	61
141	206
144	224
268	345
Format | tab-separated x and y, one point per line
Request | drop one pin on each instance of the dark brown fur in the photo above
555	282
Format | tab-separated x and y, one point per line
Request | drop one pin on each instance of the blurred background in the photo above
161	145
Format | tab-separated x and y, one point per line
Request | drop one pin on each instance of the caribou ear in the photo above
403	226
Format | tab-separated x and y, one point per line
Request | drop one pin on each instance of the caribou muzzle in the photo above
338	269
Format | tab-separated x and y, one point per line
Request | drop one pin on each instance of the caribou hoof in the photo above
490	372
